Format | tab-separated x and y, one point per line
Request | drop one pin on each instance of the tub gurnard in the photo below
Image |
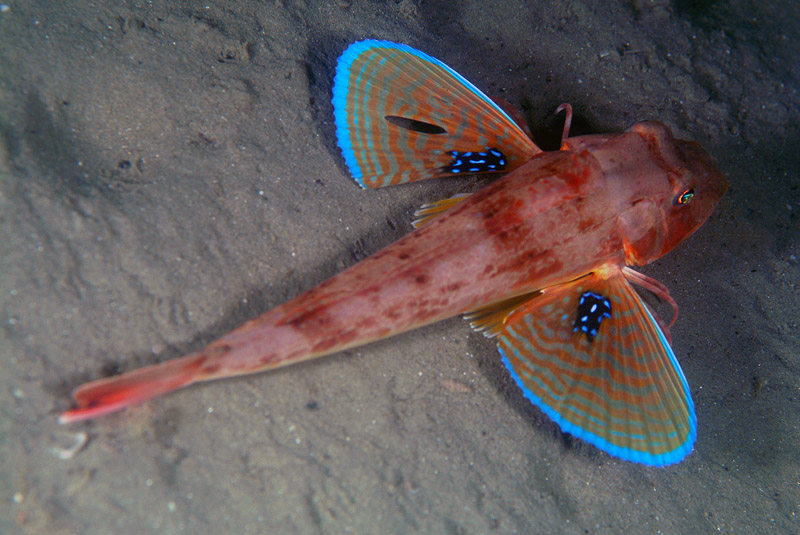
539	259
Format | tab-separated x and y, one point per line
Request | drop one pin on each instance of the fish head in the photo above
676	198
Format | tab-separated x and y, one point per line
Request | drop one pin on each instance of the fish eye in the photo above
685	197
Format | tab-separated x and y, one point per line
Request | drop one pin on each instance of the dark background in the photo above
168	171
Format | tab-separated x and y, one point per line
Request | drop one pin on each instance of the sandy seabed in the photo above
168	170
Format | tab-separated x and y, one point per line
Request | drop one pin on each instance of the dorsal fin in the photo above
428	211
489	320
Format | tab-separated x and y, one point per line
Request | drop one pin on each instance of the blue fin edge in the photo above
627	454
341	88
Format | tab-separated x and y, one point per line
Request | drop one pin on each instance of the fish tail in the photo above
113	394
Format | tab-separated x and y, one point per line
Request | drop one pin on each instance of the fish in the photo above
540	259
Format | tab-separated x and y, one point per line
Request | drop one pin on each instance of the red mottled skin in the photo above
601	202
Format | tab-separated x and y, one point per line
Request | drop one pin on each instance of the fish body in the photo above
556	231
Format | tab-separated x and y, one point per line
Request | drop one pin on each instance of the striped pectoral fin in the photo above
402	115
592	357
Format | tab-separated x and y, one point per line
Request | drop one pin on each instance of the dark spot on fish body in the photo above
310	319
273	359
530	257
421	278
393	314
403	256
530	266
211	369
197	363
526	263
439	305
586	223
504	210
490	211
652	144
575	179
454	287
499	222
558	166
511	238
418	304
217	350
326	344
383	333
342	335
375	256
575	170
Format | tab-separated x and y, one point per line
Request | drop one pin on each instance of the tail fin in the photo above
112	394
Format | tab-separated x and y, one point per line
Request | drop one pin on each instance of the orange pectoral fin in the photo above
593	358
402	115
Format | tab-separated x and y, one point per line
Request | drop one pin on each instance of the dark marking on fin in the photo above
592	310
486	161
414	125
